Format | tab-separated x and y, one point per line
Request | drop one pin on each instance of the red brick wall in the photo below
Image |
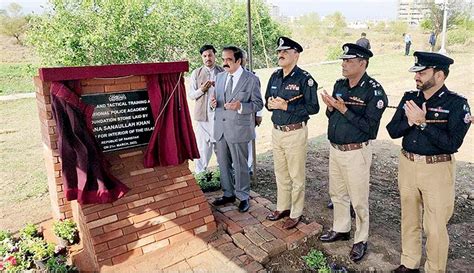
164	205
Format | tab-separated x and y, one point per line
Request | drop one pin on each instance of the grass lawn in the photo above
17	78
23	182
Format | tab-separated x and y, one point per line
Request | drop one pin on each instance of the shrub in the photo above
4	235
209	181
59	265
30	231
458	36
66	230
316	260
333	53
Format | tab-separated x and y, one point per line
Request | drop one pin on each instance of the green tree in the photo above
12	21
335	23
128	31
308	26
458	13
398	27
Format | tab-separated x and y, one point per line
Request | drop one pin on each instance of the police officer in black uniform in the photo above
291	97
354	111
433	122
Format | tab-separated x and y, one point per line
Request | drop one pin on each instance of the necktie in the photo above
228	89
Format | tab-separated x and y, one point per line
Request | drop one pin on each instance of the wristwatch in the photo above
422	126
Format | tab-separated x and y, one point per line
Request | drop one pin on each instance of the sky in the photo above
353	10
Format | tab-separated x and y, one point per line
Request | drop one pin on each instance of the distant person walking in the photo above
407	40
363	41
432	41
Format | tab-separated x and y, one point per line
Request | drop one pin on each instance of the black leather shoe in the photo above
332	236
223	200
277	215
244	205
358	251
402	269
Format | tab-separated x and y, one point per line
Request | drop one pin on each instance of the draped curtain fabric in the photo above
173	140
84	170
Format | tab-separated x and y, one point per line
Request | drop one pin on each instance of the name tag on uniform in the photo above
274	87
439	110
356	99
292	87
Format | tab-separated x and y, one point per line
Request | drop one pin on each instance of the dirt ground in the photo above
384	239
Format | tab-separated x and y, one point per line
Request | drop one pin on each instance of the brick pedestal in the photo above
164	205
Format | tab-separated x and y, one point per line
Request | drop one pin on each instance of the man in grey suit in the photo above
236	99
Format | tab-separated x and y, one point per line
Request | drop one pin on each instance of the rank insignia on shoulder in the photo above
465	107
380	104
310	82
378	93
467	118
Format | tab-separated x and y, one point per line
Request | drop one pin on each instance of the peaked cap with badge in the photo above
284	43
424	60
352	51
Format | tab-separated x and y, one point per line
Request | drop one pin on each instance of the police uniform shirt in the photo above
362	120
298	88
449	114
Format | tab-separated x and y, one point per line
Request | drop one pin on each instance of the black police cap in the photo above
352	51
424	60
286	43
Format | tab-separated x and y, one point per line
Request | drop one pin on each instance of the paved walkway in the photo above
244	242
18	96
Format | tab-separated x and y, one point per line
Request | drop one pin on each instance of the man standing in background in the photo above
202	82
407	40
432	41
363	41
258	117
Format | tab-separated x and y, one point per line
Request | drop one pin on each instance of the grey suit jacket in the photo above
233	126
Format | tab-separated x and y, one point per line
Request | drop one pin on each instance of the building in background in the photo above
413	11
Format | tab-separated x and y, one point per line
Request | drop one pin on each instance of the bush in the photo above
66	230
75	33
4	235
458	36
316	260
28	251
209	181
30	231
333	53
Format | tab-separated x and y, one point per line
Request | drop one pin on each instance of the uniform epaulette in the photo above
375	84
457	95
276	70
340	80
411	91
306	73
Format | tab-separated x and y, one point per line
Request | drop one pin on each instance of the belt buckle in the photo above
343	148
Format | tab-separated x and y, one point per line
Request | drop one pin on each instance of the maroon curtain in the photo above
173	140
84	170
